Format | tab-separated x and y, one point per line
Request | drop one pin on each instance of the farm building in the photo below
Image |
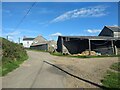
104	43
40	43
27	42
111	31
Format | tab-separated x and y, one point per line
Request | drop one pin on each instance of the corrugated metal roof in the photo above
114	28
93	37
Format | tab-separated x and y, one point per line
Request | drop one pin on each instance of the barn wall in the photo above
104	47
106	32
117	43
76	46
59	44
43	47
116	34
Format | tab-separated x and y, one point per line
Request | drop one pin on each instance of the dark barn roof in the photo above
92	37
28	38
114	28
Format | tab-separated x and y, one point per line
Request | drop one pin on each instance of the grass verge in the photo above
11	65
116	66
13	55
112	79
60	54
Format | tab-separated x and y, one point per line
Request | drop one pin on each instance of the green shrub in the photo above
13	55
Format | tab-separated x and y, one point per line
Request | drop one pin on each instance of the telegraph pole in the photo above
19	40
7	37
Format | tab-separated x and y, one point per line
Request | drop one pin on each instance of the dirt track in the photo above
92	69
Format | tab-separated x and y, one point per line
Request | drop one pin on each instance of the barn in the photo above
108	42
110	31
40	43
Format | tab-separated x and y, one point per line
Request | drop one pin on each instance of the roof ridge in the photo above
41	37
113	26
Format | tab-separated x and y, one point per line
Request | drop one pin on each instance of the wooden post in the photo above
62	44
89	46
112	46
116	51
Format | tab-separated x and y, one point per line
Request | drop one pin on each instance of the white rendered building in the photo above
27	42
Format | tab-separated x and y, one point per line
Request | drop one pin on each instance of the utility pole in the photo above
19	40
7	37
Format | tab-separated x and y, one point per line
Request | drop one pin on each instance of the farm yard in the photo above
89	69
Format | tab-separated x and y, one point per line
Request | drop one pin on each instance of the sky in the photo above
51	19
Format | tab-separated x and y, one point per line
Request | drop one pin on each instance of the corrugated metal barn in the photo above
104	44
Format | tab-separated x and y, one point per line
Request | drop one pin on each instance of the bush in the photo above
13	55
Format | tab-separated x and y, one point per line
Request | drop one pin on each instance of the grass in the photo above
111	80
116	66
60	54
13	55
11	65
0	70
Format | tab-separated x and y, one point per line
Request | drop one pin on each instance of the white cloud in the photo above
95	11
19	33
93	30
56	34
13	33
115	25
